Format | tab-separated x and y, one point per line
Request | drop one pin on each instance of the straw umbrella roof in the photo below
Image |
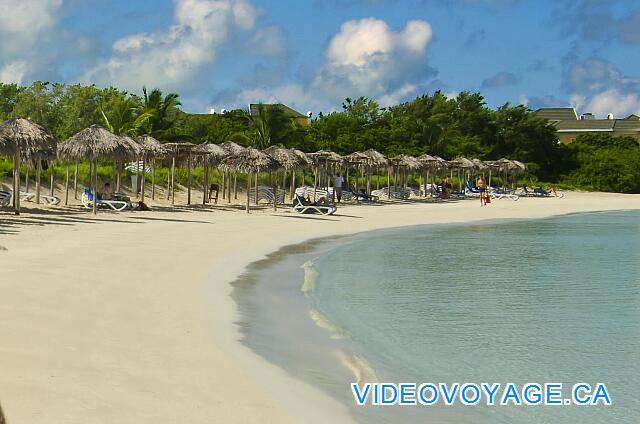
96	142
519	166
325	155
151	148
30	140
231	147
462	163
249	160
287	158
356	157
210	152
406	161
302	155
480	165
375	158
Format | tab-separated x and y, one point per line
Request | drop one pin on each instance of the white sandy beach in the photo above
126	317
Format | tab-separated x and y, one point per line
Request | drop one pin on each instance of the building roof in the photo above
558	113
585	125
286	110
627	124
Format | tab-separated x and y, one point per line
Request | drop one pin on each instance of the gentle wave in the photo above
310	278
362	371
322	321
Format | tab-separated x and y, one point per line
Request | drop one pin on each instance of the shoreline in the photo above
110	320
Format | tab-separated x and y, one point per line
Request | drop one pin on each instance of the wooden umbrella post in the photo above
205	181
173	180
293	184
274	179
153	179
224	185
95	186
53	170
255	189
229	187
188	178
168	184
38	174
235	186
26	179
75	182
388	182
16	183
248	191
66	187
144	177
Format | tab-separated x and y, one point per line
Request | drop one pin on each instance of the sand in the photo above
126	317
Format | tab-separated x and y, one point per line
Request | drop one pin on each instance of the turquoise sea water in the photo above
553	300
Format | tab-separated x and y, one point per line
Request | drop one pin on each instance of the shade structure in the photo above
95	143
178	151
322	160
231	148
480	165
24	140
209	154
375	158
288	160
151	149
249	161
406	161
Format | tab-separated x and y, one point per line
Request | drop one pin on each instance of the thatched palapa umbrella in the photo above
178	151
375	159
95	143
151	149
406	163
211	155
232	149
249	161
323	158
23	139
288	160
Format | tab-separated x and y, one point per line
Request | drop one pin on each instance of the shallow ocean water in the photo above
552	300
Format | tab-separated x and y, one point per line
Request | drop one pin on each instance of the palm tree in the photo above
126	117
163	111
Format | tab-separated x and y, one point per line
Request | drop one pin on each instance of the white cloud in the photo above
21	22
613	101
370	59
395	97
13	72
23	25
365	58
171	58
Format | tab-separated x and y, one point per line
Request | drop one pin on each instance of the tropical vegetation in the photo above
431	123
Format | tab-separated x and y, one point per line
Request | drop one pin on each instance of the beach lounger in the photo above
266	193
30	197
300	205
360	195
116	205
307	192
538	192
5	198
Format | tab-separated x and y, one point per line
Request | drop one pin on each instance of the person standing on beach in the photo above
482	187
338	181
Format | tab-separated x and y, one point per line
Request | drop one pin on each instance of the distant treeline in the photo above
431	123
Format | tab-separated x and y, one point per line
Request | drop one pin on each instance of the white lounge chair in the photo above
30	197
266	193
116	205
5	198
317	195
301	206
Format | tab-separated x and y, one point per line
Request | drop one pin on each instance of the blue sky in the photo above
311	54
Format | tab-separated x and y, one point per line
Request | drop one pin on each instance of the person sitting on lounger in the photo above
106	193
